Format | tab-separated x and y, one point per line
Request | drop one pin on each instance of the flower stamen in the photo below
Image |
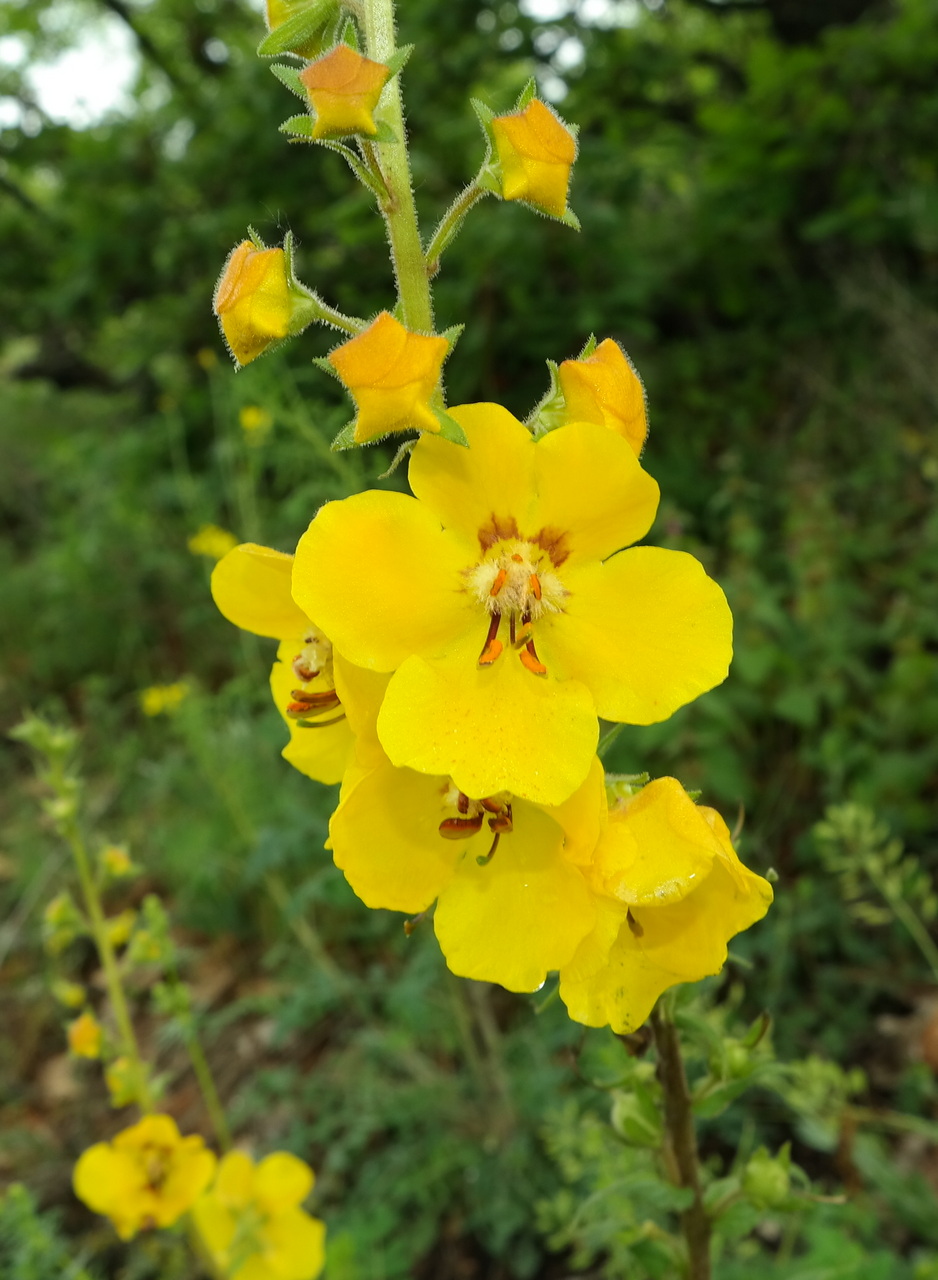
460	828
493	646
305	704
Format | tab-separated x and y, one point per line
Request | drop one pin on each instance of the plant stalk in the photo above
682	1140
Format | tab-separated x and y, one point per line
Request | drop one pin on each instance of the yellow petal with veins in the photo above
382	579
646	632
251	587
487	486
520	915
591	487
385	837
494	728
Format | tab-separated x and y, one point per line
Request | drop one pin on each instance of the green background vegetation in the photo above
758	188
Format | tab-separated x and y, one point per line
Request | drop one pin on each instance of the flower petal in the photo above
484	487
385	838
592	489
646	632
294	1246
251	586
494	728
385	580
282	1181
104	1177
323	752
583	816
234	1184
521	914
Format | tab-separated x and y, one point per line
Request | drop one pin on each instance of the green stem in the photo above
682	1139
203	1074
400	214
338	319
449	225
907	916
115	988
608	738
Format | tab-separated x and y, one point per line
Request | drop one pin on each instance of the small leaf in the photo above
384	133
450	429
298	127
345	439
527	94
402	452
398	59
452	335
298	30
349	35
290	77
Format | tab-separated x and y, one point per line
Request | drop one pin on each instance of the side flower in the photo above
535	153
251	1223
344	89
670	893
251	587
605	388
501	600
258	301
147	1176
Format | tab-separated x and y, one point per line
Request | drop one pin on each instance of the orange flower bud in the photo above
252	300
391	374
344	89
535	155
605	389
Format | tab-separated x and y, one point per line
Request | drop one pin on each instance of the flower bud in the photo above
344	89
636	1118
114	863
767	1179
211	541
121	1080
84	1036
62	922
120	927
159	699
258	302
70	994
391	374
535	154
605	389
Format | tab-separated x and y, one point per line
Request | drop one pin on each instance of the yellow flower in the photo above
604	388
535	155
84	1036
148	1176
252	1224
120	927
120	1076
501	601
255	423
311	686
670	893
71	994
212	541
344	89
252	300
513	898
160	699
114	861
391	374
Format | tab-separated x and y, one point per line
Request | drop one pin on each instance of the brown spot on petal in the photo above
498	529
554	542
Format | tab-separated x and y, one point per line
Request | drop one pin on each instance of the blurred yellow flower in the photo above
252	1224
71	994
344	89
212	541
148	1176
114	861
535	153
206	358
256	424
391	374
120	1077
670	893
502	603
251	587
604	388
160	699
84	1036
120	927
252	300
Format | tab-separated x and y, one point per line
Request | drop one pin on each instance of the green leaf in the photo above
450	428
527	94
398	59
290	77
298	30
345	439
298	127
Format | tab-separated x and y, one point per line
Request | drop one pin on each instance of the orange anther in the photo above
531	660
534	585
517	559
491	651
492	806
499	582
523	635
462	804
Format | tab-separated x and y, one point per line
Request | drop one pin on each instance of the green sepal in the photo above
398	59
322	362
403	451
450	428
349	35
488	180
299	127
527	94
452	336
290	77
384	134
485	116
589	346
298	30
346	437
255	239
569	219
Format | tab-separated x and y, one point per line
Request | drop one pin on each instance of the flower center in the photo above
515	578
314	663
469	815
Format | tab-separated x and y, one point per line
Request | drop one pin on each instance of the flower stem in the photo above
905	914
92	899
400	214
449	224
682	1139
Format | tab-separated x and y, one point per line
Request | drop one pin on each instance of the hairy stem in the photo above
400	214
682	1140
449	226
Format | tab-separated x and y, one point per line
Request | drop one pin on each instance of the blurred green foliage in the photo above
761	233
